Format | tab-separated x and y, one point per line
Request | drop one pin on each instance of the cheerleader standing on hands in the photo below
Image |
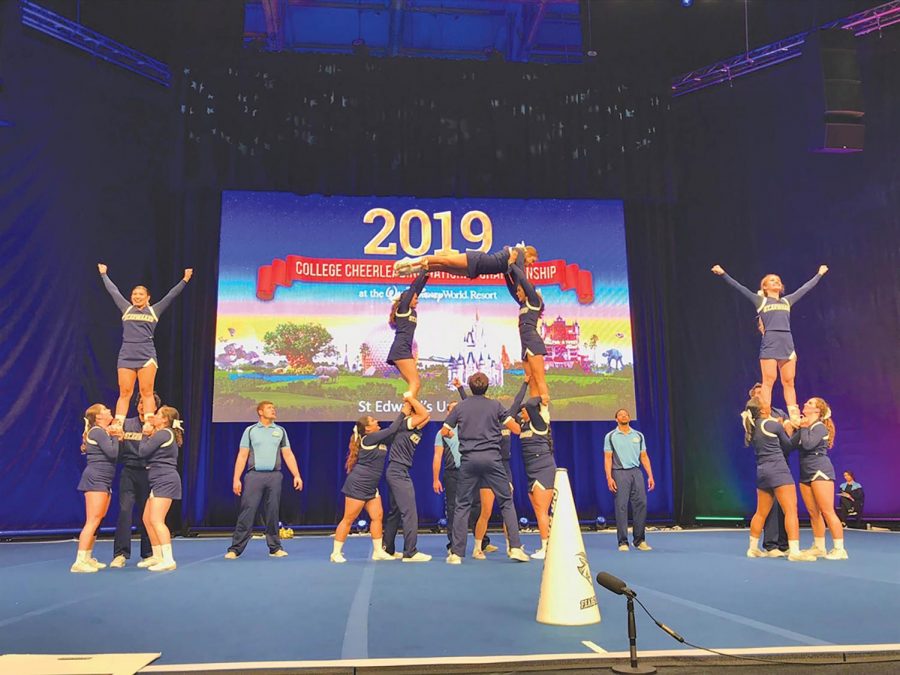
776	352
137	357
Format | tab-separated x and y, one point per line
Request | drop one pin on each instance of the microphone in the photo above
614	584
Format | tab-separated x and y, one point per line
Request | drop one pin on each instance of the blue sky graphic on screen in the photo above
306	285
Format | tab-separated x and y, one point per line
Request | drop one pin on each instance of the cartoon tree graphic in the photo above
592	343
299	343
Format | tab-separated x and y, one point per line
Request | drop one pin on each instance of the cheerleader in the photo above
471	264
814	438
403	320
365	465
531	308
773	480
776	351
160	449
540	466
137	357
403	494
100	445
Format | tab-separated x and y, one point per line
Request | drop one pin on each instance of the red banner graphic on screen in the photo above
569	277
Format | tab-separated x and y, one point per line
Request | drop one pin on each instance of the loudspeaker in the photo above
833	86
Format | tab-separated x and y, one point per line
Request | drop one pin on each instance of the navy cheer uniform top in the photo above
770	441
161	453
813	444
529	311
537	446
362	481
775	315
405	321
101	451
138	326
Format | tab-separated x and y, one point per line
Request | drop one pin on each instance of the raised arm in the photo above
163	304
521	279
517	401
460	389
414	289
420	416
807	287
108	445
382	435
743	290
533	406
111	288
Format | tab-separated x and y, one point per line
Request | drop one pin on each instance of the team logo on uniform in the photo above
582	564
277	433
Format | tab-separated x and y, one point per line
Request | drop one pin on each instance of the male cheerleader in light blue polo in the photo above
624	452
262	448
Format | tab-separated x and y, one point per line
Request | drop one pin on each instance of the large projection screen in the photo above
306	285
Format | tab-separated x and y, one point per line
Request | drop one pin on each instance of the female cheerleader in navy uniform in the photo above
100	444
160	449
776	352
403	494
773	480
540	467
403	320
814	438
365	465
531	308
471	264
137	357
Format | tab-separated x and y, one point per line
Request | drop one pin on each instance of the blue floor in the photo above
304	608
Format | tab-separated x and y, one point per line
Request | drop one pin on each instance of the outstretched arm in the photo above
460	389
521	279
533	406
517	401
163	304
414	289
743	290
807	287
111	288
383	434
420	416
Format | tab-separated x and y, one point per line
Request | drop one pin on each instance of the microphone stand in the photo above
632	643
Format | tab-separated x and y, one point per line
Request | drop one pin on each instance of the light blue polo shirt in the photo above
265	443
451	443
626	449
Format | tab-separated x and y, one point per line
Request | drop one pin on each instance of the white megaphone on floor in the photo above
567	587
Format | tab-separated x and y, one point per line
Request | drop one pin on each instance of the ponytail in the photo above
392	318
749	417
90	418
359	430
825	417
174	423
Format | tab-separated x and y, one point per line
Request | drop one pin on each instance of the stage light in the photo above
361	524
359	47
600	523
687	3
523	521
442	522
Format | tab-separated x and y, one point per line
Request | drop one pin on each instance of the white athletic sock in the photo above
81	556
793	545
167	553
89	554
157	552
839	544
478	544
754	542
377	544
544	544
819	543
338	546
